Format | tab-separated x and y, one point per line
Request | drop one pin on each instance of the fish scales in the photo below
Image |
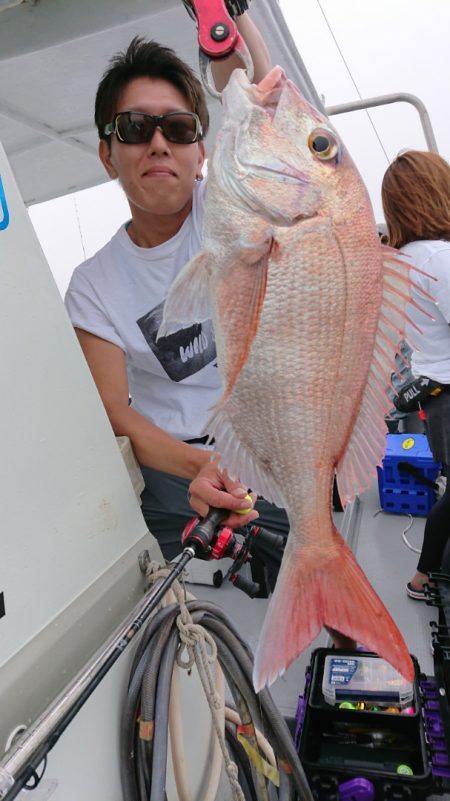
295	278
278	381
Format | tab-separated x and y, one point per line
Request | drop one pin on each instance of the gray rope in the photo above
205	634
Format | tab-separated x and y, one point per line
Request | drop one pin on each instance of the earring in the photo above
199	177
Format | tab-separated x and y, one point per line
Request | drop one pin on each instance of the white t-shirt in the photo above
431	346
119	294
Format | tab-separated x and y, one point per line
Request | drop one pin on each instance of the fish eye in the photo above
323	144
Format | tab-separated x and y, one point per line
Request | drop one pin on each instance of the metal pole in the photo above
384	100
28	751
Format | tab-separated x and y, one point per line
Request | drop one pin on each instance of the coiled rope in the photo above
182	633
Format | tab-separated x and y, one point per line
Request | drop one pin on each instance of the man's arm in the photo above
259	53
153	447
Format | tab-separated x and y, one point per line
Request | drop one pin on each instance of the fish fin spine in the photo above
367	443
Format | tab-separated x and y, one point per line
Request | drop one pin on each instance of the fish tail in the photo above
335	594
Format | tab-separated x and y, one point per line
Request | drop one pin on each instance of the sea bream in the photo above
308	308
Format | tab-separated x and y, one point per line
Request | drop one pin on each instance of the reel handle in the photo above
251	588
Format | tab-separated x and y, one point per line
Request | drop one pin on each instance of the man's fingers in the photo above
214	488
199	506
233	485
236	521
224	500
206	493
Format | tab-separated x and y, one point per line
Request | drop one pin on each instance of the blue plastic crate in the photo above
406	502
400	491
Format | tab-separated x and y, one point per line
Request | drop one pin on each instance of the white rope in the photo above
195	639
201	650
404	537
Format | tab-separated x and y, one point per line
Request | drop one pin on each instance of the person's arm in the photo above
153	446
259	53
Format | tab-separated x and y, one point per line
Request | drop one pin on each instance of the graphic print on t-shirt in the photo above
183	353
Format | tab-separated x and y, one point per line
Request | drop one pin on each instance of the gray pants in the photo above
166	511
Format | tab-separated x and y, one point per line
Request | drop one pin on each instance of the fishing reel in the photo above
212	540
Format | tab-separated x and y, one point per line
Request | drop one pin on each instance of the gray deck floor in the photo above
389	564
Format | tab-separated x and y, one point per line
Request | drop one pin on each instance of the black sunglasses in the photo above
136	128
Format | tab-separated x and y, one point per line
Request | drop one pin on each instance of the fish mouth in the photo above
267	92
266	96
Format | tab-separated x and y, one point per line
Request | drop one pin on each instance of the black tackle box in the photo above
365	734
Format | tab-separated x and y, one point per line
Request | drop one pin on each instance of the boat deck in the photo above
376	538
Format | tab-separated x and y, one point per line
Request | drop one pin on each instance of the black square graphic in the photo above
183	353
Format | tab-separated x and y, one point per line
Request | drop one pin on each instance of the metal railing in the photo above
385	100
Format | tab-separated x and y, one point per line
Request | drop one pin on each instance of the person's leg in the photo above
437	527
272	517
166	509
435	538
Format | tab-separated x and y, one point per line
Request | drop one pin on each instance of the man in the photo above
152	117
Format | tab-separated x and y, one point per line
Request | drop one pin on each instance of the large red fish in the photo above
308	309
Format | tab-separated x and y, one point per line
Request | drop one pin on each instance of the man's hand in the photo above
214	487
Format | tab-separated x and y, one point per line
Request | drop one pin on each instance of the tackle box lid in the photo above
362	676
407	446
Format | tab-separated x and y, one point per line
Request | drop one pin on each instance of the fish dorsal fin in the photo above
188	300
367	443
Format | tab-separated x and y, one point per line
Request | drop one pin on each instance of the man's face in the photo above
157	177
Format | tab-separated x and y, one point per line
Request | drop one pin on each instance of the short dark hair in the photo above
147	59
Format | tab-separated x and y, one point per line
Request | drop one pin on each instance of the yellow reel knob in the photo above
247	510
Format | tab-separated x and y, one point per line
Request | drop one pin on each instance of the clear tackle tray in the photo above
364	678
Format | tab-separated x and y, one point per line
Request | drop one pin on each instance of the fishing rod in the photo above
203	538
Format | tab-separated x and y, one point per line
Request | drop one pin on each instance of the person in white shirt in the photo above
416	203
152	117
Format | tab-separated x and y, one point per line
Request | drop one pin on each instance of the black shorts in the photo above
437	426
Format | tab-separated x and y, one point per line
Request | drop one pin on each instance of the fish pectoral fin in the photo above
248	281
335	594
188	300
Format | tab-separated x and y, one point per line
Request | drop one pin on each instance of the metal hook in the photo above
218	38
